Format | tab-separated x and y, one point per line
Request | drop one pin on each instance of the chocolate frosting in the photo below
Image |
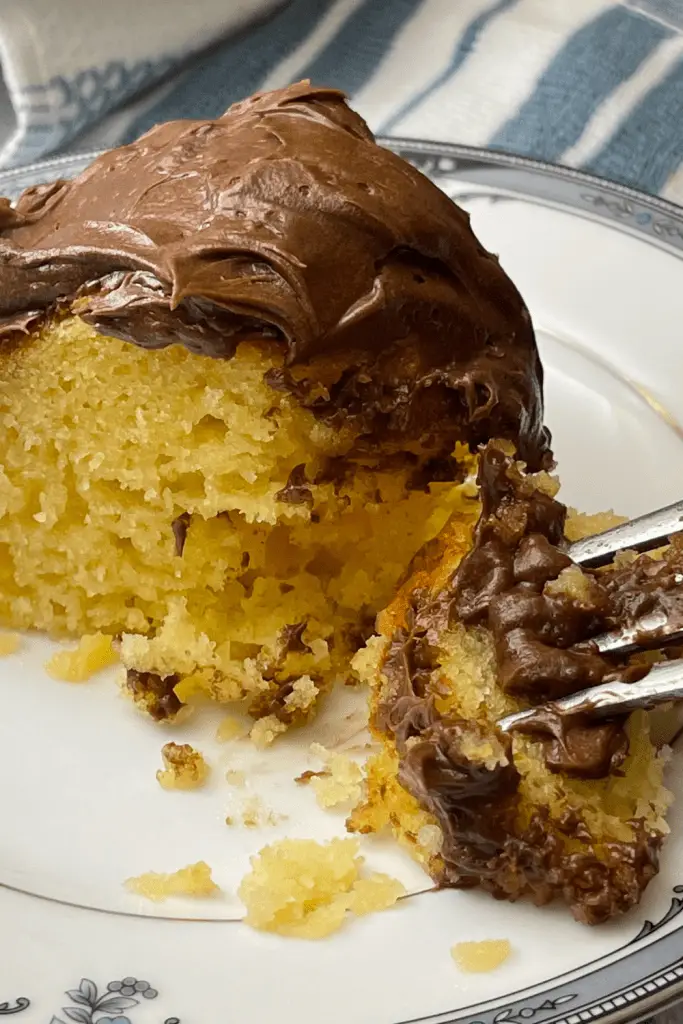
543	640
476	800
283	219
575	745
463	771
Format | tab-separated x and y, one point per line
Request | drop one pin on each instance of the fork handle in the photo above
662	684
641	534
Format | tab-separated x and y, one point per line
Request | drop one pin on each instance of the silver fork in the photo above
663	683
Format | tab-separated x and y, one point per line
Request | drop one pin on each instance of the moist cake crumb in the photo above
342	780
303	695
154	696
430	839
193	880
9	644
231	728
184	767
586	524
254	813
378	892
304	889
266	730
94	652
171	611
479	957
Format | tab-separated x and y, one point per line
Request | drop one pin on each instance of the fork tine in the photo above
641	534
651	631
662	684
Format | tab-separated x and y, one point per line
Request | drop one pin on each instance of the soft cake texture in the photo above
603	822
304	889
184	767
94	653
145	494
194	880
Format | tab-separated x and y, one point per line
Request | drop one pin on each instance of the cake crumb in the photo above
305	778
574	583
236	778
231	728
193	880
184	767
94	652
192	689
478	957
303	696
9	644
430	838
305	889
378	892
342	781
254	814
266	730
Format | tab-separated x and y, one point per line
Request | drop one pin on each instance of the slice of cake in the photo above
493	619
240	362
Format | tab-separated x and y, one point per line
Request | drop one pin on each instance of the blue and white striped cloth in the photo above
596	84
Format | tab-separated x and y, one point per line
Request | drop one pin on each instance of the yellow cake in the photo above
239	363
142	494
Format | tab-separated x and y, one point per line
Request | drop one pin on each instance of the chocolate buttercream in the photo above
575	745
542	636
463	772
283	219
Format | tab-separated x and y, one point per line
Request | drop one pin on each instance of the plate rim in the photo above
656	221
652	218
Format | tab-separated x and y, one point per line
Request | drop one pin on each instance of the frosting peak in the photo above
284	219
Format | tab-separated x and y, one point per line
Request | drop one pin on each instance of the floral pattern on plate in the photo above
90	1006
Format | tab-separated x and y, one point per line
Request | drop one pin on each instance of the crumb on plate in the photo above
266	730
342	781
184	767
254	814
9	644
378	892
304	889
193	880
94	652
478	957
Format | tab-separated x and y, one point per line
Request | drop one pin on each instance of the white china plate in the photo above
601	268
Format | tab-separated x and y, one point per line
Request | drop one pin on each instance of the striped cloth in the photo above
595	84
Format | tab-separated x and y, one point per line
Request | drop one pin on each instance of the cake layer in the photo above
181	502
